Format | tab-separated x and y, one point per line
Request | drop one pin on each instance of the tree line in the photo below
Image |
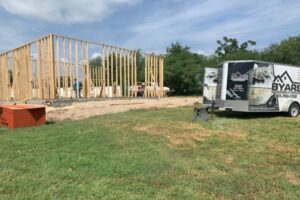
184	70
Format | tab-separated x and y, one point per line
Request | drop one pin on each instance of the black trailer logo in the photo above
239	77
284	83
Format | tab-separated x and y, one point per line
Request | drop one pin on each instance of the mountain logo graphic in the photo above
284	83
285	77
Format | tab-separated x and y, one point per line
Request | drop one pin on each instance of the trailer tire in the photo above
294	110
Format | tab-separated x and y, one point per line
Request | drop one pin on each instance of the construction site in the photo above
58	67
135	99
57	78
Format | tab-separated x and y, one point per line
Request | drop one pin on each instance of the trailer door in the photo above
210	85
238	80
261	96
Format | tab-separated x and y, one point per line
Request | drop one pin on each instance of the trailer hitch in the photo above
203	113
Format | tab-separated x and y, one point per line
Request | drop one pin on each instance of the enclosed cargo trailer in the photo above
209	85
257	86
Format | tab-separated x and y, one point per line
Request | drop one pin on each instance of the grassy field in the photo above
154	154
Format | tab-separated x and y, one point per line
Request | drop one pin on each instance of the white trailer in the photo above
210	85
257	86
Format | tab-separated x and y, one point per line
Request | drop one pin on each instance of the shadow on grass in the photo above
248	115
50	122
3	128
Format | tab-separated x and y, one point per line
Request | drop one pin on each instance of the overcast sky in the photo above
150	25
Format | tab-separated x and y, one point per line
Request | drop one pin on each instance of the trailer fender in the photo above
286	105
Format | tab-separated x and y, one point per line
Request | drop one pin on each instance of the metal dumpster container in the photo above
22	115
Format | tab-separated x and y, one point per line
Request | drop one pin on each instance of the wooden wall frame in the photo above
49	67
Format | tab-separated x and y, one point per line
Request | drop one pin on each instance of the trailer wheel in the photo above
294	110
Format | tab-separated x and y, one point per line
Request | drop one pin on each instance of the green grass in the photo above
154	154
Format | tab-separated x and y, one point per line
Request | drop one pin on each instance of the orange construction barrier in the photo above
22	115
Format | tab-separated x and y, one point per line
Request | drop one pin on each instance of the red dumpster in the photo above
22	115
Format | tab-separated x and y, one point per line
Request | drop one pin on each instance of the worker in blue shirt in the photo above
76	88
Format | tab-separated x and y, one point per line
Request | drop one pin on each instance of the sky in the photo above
150	25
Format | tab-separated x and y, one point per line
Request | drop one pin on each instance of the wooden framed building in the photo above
60	67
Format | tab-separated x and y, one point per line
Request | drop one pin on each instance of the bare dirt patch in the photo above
292	178
234	134
88	109
228	159
179	134
184	134
283	148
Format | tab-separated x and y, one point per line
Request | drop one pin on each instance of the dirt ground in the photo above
88	109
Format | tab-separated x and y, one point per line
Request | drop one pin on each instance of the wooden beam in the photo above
155	77
34	78
88	80
52	68
14	71
25	72
117	71
21	73
161	76
23	83
40	72
65	83
2	81
103	87
71	69
121	72
58	67
47	67
107	70
24	67
7	95
1	78
30	82
145	75
7	79
150	75
148	78
135	75
128	74
16	74
95	81
42	69
101	81
131	68
112	71
44	66
98	79
83	69
125	76
20	84
76	63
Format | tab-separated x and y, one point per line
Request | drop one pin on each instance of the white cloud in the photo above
95	55
65	11
152	26
200	23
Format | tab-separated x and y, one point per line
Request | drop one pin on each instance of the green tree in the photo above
231	45
140	66
183	70
287	51
96	62
140	62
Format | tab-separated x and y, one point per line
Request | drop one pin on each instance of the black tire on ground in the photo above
294	110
